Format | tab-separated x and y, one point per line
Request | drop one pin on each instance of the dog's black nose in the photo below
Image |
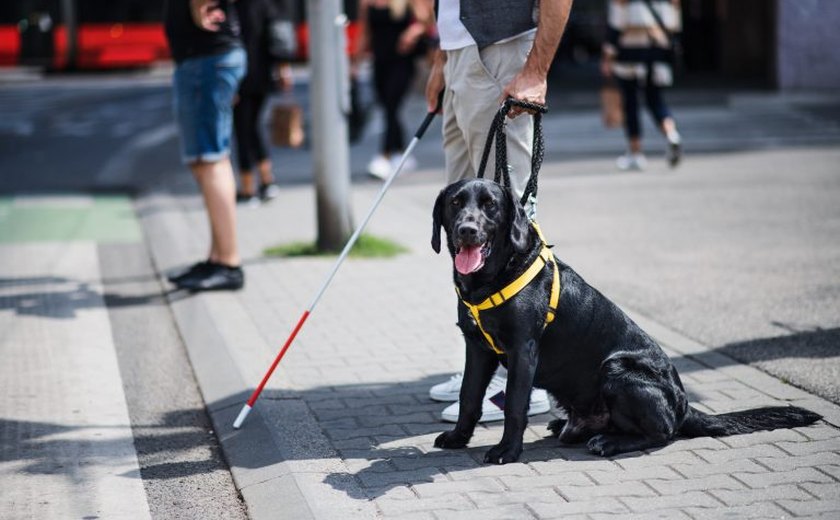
468	231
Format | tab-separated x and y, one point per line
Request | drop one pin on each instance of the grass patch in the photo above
367	246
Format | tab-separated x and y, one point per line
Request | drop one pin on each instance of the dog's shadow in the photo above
409	461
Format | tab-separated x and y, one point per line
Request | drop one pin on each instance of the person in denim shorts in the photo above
209	59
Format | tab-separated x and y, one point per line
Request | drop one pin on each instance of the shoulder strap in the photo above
657	18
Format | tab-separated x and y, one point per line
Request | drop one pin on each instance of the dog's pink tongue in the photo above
468	259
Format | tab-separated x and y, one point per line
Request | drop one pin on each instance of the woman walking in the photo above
638	54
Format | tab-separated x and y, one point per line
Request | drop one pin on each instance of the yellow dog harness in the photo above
512	289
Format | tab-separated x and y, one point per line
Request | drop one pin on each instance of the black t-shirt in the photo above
186	40
255	15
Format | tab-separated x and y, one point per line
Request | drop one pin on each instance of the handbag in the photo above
287	125
281	39
612	111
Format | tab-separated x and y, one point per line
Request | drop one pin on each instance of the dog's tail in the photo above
699	424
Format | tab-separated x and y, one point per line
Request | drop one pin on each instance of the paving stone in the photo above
644	461
601	505
546	481
824	491
658	503
480	485
624	489
752	496
518	512
674	487
762	451
391	507
790	462
506	470
670	514
811	507
630	475
819	432
766	437
531	497
558	467
394	478
704	469
833	471
807	448
796	476
763	511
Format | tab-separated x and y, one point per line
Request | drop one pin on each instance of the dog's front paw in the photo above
603	445
451	440
503	453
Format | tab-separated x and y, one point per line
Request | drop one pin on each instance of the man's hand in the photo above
531	84
528	86
435	83
207	14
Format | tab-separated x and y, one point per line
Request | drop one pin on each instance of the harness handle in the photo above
497	134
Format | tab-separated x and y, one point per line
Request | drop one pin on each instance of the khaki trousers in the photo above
474	82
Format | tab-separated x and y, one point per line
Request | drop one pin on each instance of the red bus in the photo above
84	34
98	34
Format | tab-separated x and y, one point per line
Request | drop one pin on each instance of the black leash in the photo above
497	134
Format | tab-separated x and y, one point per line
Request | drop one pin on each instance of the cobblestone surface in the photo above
384	333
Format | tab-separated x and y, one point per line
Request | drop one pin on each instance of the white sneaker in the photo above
379	167
493	405
674	152
631	162
447	391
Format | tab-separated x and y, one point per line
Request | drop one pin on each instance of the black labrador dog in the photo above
618	389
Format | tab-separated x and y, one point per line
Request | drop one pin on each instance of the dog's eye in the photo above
456	202
489	204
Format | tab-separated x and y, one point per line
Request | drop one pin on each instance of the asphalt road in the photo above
68	136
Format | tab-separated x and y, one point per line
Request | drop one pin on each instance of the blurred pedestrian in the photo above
491	50
392	32
204	41
638	53
263	74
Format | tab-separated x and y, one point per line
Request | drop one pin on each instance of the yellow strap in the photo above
555	294
520	283
513	289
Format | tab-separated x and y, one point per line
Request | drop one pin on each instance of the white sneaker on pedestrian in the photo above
493	405
447	391
379	167
674	152
631	162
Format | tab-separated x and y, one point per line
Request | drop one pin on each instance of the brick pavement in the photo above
351	426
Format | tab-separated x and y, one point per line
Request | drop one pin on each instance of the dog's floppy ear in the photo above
519	225
437	220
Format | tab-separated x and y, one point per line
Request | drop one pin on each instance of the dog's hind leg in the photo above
578	428
608	444
645	408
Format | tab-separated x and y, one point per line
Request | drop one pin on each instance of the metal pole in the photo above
329	102
68	15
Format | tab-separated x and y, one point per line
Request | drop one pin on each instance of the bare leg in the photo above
246	181
266	176
218	189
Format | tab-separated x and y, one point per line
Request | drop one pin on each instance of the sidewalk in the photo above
345	427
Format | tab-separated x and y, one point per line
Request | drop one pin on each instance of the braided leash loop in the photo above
497	134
